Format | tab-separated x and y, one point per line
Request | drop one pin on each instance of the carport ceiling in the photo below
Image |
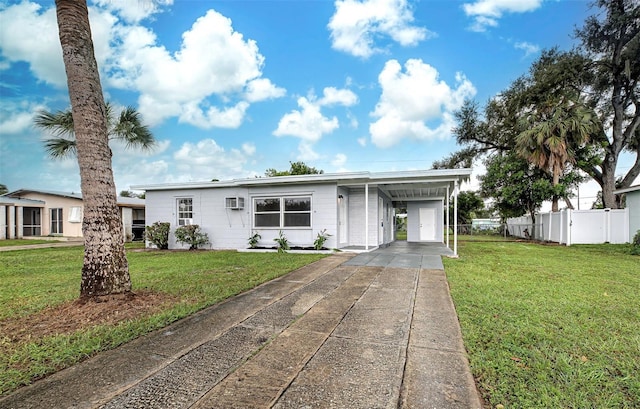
415	191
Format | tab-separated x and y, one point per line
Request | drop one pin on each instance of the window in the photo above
75	214
56	221
185	211
282	212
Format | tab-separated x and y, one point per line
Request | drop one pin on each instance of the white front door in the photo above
427	224
342	220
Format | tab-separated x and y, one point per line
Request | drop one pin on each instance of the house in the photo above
26	213
356	208
633	204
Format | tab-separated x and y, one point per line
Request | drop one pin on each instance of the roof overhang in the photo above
399	186
627	190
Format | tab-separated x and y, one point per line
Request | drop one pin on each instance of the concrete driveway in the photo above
376	330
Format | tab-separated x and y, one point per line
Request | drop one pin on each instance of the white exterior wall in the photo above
231	229
3	222
127	223
633	205
413	219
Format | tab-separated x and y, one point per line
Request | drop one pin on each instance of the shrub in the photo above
192	236
158	234
254	239
283	243
635	244
323	236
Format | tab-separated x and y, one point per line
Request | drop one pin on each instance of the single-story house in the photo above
356	208
26	213
633	204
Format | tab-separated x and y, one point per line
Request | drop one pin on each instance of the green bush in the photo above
635	244
323	236
158	234
254	239
283	242
192	236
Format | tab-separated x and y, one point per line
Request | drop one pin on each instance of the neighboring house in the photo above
25	213
357	209
633	204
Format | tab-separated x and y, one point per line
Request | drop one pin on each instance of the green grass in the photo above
35	279
550	326
23	242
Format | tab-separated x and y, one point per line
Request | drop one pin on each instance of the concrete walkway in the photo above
344	332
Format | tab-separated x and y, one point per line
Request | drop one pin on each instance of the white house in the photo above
357	208
27	212
633	204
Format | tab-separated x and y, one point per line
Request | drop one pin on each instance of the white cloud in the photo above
339	160
357	24
261	89
133	11
229	117
22	39
309	123
334	96
206	160
362	141
15	123
415	100
306	152
528	48
208	82
249	148
486	13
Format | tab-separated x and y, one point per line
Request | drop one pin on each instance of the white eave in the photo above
627	190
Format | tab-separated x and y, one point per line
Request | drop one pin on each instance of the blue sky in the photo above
232	88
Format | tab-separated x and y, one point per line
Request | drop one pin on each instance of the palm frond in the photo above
59	123
130	130
60	148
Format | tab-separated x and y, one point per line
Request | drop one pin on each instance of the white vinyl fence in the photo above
576	226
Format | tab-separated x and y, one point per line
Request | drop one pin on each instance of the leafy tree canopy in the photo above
3	189
297	168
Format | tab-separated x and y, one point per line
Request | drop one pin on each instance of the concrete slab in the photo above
329	335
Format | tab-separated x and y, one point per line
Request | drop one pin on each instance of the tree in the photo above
126	127
470	206
554	132
297	168
105	269
612	47
516	186
3	189
602	76
129	193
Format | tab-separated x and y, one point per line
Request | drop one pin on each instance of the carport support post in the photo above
455	219
447	222
366	216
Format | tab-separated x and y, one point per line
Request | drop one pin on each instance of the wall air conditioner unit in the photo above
234	203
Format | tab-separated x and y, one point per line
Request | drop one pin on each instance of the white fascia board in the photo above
627	190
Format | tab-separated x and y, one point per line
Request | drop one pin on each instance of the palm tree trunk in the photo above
556	182
105	269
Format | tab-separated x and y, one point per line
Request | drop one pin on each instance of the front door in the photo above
342	220
427	224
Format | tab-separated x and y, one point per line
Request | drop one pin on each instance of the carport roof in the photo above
400	186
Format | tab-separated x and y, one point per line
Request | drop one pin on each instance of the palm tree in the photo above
126	127
105	269
554	131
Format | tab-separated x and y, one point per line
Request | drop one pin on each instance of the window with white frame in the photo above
75	214
56	220
185	211
282	212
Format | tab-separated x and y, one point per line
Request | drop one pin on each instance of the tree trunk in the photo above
609	181
105	269
556	182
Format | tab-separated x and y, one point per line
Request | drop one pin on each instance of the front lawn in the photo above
550	326
42	328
